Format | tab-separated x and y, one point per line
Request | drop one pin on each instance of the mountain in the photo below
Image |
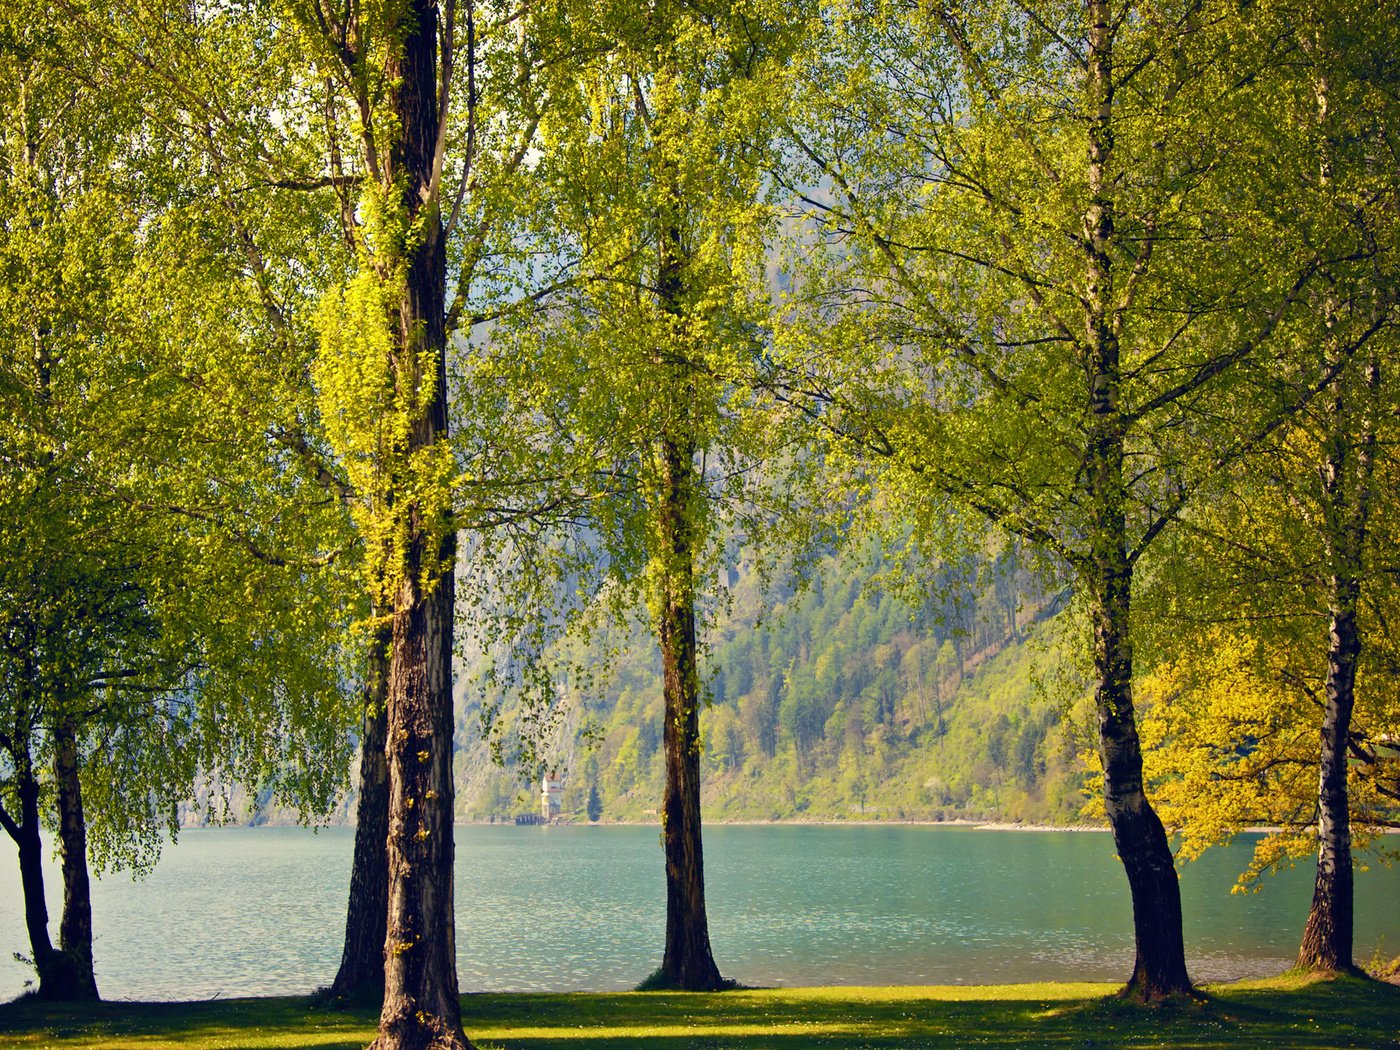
841	700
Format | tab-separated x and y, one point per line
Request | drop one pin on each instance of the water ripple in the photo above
261	911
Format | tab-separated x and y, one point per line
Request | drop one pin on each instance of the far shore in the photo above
960	822
650	822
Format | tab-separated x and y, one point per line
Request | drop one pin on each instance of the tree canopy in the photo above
348	340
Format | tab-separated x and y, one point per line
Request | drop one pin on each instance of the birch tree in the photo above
130	530
362	157
1045	300
1299	535
651	193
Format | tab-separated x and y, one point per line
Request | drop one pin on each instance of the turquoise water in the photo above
252	911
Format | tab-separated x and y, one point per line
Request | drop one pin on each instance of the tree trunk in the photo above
361	974
422	1007
64	974
1327	937
1159	969
688	962
25	833
421	1004
74	978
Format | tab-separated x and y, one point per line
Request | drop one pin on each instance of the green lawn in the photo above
1283	1012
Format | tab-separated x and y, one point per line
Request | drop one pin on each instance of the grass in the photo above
1293	1011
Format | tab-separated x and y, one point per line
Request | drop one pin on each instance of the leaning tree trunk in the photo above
76	980
24	830
422	1007
361	974
1159	968
688	962
1327	937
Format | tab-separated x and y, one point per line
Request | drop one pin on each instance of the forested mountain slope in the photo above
836	701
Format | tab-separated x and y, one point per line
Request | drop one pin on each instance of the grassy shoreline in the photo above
1288	1011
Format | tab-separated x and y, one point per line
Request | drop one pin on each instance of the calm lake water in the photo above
260	911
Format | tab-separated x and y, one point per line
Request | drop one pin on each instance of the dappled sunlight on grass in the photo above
1291	1011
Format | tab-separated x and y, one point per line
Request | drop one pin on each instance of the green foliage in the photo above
840	701
1231	746
945	314
647	202
1235	706
372	397
165	574
1298	536
213	449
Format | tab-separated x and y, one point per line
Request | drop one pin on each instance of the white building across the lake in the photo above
551	796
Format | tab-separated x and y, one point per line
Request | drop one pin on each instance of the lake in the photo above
260	911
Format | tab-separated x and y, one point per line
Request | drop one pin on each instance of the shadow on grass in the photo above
223	1023
1331	1015
1325	1015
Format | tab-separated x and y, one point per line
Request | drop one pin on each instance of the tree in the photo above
122	666
652	190
51	623
1292	557
1044	300
1301	518
595	803
385	335
362	157
1349	64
